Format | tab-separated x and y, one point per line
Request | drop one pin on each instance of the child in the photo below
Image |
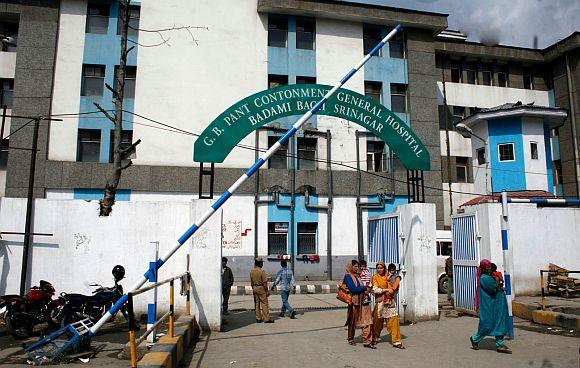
365	276
497	276
364	273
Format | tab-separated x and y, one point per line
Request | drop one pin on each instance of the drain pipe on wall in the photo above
292	199
328	207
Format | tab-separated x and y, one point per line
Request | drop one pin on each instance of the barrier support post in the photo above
543	293
188	291
171	309
132	329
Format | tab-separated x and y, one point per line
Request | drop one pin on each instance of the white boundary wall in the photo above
537	236
419	260
85	247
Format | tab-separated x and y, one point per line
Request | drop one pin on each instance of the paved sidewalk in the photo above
298	301
318	339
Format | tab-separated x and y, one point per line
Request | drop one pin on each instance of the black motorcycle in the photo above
76	307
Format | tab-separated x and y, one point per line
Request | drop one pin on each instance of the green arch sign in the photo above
252	112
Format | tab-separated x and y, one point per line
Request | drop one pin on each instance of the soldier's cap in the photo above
259	259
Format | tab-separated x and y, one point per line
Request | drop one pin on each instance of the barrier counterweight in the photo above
225	196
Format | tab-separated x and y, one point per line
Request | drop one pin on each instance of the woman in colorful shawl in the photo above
390	311
491	305
380	284
359	313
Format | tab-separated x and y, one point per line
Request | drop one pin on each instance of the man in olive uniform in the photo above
260	289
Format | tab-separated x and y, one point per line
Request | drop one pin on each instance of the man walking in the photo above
260	288
449	273
285	278
227	282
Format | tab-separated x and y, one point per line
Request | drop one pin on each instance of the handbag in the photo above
344	294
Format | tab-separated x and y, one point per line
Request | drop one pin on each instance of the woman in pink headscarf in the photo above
491	305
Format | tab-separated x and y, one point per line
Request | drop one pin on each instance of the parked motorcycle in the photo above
22	313
76	307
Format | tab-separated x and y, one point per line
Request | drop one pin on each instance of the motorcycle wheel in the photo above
17	325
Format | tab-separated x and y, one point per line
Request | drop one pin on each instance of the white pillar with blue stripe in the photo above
224	197
507	260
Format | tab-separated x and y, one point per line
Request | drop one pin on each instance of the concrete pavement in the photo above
318	339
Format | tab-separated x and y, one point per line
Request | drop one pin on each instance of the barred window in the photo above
307	237
277	31
277	237
97	18
89	145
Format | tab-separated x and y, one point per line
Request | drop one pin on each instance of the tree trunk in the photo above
106	204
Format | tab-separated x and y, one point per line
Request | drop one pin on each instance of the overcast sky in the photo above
509	22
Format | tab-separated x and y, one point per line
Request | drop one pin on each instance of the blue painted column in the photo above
507	260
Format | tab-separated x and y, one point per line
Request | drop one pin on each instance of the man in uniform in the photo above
260	289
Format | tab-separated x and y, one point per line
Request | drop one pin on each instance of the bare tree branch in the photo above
158	44
126	165
165	41
111	89
105	112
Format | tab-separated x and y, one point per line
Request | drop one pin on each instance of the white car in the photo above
443	252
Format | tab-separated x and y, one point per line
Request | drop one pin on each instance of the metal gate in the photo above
465	241
383	245
383	242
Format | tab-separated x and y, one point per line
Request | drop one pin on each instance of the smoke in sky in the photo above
509	22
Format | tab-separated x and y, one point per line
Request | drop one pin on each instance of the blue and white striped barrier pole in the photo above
507	260
152	307
563	201
224	197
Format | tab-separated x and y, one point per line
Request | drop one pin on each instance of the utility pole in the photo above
30	197
447	143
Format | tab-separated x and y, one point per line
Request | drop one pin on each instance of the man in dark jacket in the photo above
227	282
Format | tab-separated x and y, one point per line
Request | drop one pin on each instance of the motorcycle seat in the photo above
76	297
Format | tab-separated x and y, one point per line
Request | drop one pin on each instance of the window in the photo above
373	90
277	31
480	156
397	47
307	237
279	160
97	18
471	74
9	30
371	37
277	237
6	92
534	150
398	98
458	114
444	248
461	169
89	145
305	34
528	80
502	79
506	152
487	78
126	141
377	158
277	80
305	80
130	78
93	80
306	153
134	17
4	154
456	75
